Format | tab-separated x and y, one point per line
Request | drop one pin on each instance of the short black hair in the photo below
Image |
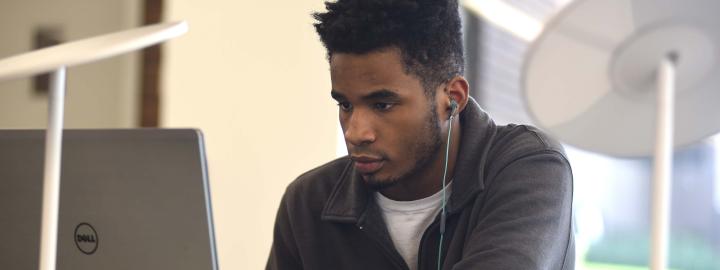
427	33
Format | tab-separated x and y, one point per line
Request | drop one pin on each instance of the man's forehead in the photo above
369	66
367	89
368	94
362	74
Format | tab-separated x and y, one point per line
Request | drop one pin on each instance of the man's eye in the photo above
345	106
381	106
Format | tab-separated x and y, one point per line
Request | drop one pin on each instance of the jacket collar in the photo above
350	198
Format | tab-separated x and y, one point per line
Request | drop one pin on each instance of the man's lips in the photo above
367	164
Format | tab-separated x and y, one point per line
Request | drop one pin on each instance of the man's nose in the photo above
359	130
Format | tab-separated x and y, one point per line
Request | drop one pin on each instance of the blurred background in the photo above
253	76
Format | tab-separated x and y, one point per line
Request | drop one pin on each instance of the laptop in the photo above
129	199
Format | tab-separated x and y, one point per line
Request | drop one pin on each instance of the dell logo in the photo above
86	238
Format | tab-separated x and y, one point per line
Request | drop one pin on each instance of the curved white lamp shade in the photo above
589	78
88	50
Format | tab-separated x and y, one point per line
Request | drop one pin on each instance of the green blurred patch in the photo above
606	266
629	251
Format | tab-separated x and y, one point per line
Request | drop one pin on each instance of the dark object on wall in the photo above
45	36
151	57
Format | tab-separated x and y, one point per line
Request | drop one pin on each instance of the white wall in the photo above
102	94
253	76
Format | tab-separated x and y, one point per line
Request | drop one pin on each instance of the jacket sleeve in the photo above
526	220
284	252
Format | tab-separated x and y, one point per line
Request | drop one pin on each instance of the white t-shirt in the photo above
408	220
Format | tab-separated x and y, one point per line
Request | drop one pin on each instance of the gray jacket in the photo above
510	208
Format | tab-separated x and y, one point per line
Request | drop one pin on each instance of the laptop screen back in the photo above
130	199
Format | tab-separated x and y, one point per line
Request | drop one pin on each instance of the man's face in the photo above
390	125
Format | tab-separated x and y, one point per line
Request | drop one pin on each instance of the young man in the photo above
396	69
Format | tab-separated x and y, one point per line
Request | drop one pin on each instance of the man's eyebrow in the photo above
336	95
381	94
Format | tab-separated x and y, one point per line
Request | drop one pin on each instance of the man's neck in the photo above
428	181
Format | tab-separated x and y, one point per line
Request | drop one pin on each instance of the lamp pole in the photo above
663	162
51	174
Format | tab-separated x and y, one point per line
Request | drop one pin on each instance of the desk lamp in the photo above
629	78
55	60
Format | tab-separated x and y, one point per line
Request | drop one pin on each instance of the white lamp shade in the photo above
590	77
88	50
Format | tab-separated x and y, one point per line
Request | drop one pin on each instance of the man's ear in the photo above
457	89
